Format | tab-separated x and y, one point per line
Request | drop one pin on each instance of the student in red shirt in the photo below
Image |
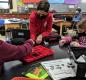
40	22
9	52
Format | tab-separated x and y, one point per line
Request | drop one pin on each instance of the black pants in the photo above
57	28
73	25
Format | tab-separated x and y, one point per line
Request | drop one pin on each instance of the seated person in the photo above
76	18
9	52
40	22
79	40
54	26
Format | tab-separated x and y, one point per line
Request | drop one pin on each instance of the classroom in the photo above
42	39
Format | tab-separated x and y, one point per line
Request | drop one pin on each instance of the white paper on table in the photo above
59	68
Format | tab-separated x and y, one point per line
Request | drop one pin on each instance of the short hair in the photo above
78	9
82	24
43	5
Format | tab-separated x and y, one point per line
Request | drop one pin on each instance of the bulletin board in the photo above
72	1
56	1
31	1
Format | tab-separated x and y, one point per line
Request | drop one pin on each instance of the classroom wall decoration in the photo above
56	1
19	3
72	1
31	1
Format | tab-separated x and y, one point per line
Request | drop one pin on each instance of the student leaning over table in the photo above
40	22
79	40
9	52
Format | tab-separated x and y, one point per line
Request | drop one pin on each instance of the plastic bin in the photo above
1	22
78	60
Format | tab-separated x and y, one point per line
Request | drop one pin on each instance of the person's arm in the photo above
64	40
68	39
49	27
10	52
82	46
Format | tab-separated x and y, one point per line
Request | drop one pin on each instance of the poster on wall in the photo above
19	3
56	1
31	1
72	1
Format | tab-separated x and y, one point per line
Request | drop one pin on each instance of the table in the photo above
13	69
19	24
12	25
61	23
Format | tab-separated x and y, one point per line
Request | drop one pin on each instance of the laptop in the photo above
78	60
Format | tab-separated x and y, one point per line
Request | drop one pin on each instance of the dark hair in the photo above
78	9
43	5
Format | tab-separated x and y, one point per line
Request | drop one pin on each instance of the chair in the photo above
2	28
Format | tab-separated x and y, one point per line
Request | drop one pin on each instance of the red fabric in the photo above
10	52
38	26
37	53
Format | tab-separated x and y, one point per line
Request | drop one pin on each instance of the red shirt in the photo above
9	52
38	26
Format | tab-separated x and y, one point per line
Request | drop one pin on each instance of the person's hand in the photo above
62	42
39	39
74	44
32	41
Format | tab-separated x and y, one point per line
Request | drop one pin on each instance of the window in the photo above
4	0
83	1
4	4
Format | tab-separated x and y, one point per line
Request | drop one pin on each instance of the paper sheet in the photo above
59	68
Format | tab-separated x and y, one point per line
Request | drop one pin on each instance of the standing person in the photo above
40	22
76	18
9	52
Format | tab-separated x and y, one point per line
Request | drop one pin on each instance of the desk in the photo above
19	68
61	23
13	25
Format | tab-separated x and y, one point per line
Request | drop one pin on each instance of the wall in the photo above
64	7
83	7
57	7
